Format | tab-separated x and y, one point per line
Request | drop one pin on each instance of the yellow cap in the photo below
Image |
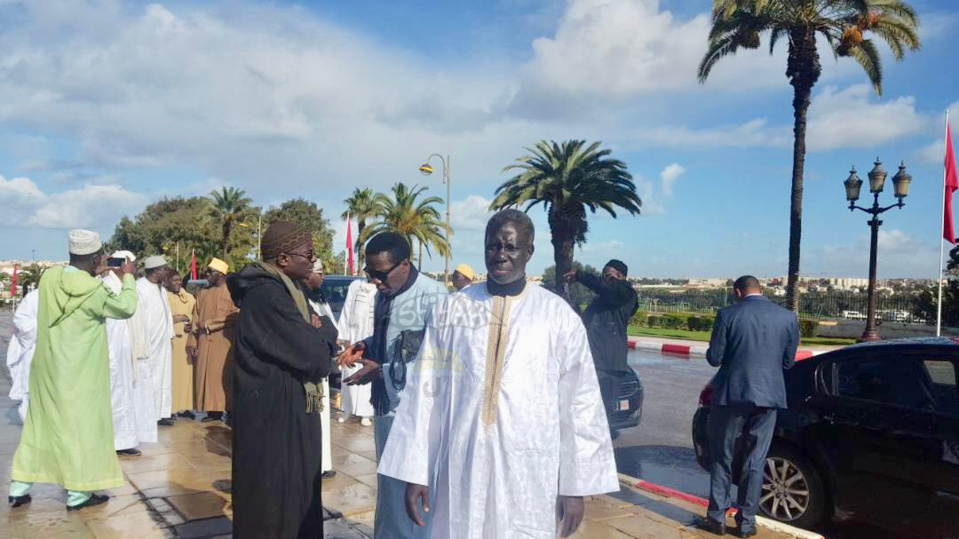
219	265
466	271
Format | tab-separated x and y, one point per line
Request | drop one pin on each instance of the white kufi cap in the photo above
84	242
154	262
318	266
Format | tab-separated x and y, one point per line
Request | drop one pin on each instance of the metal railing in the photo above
839	304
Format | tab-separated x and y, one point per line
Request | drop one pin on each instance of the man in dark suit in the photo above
752	343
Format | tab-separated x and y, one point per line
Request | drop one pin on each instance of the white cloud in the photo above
668	177
934	152
472	213
622	48
854	118
95	205
851	117
900	255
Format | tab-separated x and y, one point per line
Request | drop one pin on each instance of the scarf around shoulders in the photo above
314	392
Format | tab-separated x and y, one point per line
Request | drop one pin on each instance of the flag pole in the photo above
939	278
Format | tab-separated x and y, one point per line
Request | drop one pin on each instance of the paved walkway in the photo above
180	487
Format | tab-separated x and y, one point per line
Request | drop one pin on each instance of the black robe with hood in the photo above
277	446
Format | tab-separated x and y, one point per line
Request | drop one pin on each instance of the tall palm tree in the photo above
567	179
738	24
361	205
227	207
413	218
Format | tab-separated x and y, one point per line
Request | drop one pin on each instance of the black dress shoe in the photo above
329	474
133	452
187	414
711	526
17	501
93	500
165	422
748	533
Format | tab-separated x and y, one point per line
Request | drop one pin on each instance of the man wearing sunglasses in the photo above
403	300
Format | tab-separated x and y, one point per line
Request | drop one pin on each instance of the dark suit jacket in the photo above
753	341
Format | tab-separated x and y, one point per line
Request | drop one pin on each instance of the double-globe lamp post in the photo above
877	178
426	169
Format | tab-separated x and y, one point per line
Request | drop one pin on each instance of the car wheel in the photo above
792	489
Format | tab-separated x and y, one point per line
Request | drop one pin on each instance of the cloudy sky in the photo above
107	105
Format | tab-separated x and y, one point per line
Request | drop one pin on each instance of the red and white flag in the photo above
349	245
13	282
951	185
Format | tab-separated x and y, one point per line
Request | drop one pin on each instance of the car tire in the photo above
793	492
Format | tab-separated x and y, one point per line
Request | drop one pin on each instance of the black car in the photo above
334	289
627	411
872	430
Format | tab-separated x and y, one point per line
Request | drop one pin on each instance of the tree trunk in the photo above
803	71
419	259
226	239
360	254
562	239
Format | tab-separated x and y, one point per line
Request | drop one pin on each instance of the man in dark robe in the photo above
606	320
282	351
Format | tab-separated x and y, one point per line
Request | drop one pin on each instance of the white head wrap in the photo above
84	242
317	266
154	262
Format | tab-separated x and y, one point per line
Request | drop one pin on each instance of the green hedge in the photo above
691	322
639	319
808	328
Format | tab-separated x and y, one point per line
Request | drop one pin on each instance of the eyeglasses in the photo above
310	255
381	276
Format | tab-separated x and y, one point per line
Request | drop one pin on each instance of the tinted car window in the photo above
894	381
942	385
334	290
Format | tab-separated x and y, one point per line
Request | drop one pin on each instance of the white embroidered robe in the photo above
21	348
356	324
501	414
131	384
158	323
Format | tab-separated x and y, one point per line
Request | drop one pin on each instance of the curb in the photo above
693	351
773	525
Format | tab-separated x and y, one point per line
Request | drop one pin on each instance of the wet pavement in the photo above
180	487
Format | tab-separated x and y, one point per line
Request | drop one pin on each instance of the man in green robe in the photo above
67	437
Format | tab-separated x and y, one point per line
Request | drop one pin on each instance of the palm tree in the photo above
415	219
227	207
738	24
362	206
567	178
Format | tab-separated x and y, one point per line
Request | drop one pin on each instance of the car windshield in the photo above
334	290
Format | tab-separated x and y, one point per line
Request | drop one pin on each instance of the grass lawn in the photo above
703	336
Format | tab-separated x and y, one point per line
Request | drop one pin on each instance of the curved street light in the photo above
426	169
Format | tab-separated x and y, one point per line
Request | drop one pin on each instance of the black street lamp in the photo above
877	177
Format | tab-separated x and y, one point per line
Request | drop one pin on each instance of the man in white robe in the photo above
20	350
131	385
322	307
154	309
356	324
502	415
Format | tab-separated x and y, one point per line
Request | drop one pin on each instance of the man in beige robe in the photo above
182	304
211	343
